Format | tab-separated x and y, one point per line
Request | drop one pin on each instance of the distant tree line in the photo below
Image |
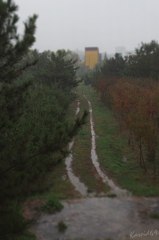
143	64
130	88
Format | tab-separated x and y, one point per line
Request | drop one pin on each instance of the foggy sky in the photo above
106	24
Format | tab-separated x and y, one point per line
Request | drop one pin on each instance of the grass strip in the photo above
82	163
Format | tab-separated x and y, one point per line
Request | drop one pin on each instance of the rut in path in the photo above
79	186
114	189
100	218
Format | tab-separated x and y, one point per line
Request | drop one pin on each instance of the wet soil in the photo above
121	218
101	218
79	186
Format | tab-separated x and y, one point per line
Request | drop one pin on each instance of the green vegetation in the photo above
112	147
129	89
141	66
52	204
144	64
37	123
82	163
154	215
16	227
33	124
61	226
112	195
82	70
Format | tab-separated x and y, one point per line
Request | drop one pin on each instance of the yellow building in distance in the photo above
91	56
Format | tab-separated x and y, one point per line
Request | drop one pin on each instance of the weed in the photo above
154	215
52	204
62	226
111	195
90	190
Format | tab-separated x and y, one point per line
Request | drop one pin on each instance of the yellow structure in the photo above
91	56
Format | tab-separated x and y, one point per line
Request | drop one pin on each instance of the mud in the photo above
101	218
114	189
79	186
121	218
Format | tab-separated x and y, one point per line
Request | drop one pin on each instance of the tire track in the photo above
79	186
114	189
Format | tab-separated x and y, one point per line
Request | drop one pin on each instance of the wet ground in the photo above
121	218
79	186
114	189
102	218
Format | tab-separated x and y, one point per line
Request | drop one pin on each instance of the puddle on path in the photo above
101	218
79	186
78	108
114	189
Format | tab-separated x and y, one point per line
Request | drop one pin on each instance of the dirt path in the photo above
101	218
120	218
114	189
79	186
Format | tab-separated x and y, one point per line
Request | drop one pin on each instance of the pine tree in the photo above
113	67
144	64
58	69
34	136
105	57
12	101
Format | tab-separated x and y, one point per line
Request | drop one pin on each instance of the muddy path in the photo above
114	189
79	186
121	218
101	218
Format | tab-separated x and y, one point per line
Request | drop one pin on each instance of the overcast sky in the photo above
106	24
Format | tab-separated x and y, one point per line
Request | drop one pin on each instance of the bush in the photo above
61	226
52	204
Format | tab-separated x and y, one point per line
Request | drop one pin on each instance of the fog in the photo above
106	24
